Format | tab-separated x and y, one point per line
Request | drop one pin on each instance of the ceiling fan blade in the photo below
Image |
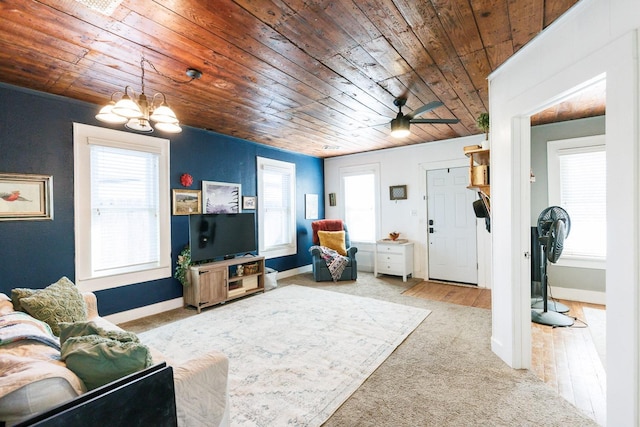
436	121
427	107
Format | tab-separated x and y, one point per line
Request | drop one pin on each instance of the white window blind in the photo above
583	179
276	205
360	206
124	210
577	182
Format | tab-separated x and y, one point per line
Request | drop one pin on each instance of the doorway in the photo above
576	356
451	238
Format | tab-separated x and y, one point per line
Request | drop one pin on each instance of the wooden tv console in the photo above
217	282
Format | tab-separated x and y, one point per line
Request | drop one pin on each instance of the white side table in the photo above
394	258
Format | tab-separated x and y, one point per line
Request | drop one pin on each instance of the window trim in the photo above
290	248
554	149
83	137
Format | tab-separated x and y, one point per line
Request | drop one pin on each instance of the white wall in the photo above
596	37
408	166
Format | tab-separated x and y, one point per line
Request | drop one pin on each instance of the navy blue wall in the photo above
36	136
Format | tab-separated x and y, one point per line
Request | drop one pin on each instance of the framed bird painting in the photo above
26	197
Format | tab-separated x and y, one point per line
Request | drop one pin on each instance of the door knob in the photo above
430	230
430	222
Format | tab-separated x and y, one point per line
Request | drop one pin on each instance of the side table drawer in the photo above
395	268
389	257
390	249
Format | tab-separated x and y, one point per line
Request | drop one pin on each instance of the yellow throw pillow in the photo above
333	240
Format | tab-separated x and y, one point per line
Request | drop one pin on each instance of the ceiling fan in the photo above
400	125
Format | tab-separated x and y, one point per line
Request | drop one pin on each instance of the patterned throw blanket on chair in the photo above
336	263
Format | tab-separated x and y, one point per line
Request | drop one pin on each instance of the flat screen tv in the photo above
221	236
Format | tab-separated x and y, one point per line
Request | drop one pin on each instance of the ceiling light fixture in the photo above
400	126
136	111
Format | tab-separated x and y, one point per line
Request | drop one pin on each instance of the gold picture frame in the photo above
26	197
187	202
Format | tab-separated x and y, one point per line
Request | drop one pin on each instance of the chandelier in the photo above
136	111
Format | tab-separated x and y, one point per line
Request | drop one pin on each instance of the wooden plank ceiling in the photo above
317	77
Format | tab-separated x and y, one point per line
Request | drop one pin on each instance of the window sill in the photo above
582	262
115	281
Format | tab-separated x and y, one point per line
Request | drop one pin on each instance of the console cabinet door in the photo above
213	288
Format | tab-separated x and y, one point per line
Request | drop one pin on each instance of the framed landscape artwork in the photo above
221	197
186	202
26	197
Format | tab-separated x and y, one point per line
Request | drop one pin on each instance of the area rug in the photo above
296	353
597	321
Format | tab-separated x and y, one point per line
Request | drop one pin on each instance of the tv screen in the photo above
216	236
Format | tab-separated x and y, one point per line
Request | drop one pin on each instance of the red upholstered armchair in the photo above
320	270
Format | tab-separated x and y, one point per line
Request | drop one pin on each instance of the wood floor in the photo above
564	358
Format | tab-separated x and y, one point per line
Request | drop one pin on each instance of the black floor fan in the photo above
554	225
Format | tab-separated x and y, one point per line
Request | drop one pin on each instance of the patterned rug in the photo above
296	353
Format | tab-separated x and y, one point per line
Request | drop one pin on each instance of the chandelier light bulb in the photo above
126	107
164	114
169	127
108	116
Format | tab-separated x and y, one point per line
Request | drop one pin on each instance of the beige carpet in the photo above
443	374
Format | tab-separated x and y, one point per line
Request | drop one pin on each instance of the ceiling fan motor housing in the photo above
401	122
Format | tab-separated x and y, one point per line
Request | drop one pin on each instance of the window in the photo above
121	208
577	182
276	208
360	187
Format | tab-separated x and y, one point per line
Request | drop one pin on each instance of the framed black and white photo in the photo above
221	197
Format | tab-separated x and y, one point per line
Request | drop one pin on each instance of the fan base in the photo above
551	306
550	318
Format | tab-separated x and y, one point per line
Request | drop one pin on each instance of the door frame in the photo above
424	168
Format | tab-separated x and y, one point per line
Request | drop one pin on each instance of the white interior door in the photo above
451	226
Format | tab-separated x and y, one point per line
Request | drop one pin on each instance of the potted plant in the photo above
482	121
183	274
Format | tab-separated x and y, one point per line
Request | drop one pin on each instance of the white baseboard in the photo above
149	310
571	294
294	271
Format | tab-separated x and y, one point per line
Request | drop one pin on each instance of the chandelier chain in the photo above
181	82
